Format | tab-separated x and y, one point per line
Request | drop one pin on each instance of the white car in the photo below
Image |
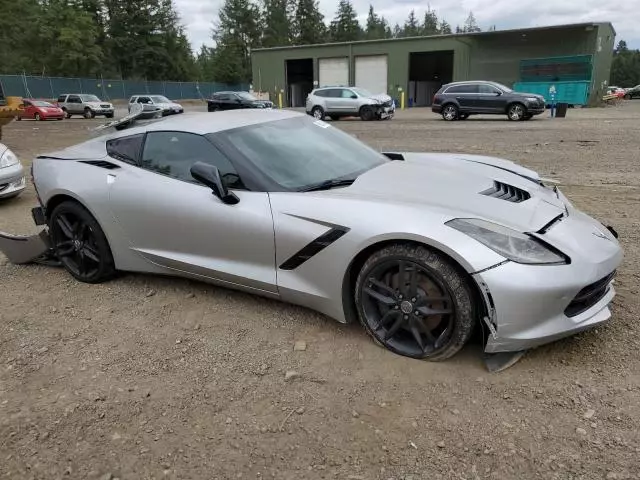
12	181
156	102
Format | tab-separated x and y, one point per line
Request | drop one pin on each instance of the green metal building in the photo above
577	58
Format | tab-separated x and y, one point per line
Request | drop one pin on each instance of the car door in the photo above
147	104
224	101
177	223
29	110
74	104
334	100
490	99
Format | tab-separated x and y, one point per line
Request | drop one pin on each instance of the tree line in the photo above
145	39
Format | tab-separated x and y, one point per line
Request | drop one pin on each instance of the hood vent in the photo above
507	192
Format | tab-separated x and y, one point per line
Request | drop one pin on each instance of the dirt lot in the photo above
150	378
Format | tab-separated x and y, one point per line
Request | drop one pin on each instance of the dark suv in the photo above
458	100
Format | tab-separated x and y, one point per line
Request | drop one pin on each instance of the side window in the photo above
126	149
145	100
334	93
225	97
322	93
173	154
74	99
132	100
489	89
26	103
347	93
463	89
62	98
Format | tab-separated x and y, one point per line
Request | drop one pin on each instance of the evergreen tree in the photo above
376	27
277	20
430	23
445	28
309	27
471	25
625	68
411	26
397	31
345	26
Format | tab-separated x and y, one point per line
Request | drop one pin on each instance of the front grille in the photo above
105	106
387	104
506	192
589	296
3	187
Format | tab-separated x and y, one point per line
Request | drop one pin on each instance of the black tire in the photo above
463	116
516	112
18	118
66	113
397	313
317	113
334	118
367	114
88	113
627	97
450	112
80	243
37	117
109	115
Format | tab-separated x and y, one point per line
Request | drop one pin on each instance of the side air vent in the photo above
507	192
101	164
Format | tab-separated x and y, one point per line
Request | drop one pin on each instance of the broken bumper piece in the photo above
25	249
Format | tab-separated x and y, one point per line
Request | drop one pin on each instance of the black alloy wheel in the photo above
414	302
80	244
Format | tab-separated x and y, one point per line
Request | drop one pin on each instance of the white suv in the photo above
337	102
152	103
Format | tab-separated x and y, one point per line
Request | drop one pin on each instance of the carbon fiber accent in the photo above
101	164
313	248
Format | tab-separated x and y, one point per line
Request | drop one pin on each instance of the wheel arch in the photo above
354	267
514	102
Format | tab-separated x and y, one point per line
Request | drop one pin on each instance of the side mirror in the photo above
238	100
210	176
498	93
354	96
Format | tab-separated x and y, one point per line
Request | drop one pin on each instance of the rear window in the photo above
126	149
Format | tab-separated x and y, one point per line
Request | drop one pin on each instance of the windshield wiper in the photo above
329	184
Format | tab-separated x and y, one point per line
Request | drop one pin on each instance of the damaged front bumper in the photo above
21	249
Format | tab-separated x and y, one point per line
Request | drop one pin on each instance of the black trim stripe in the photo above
314	247
101	164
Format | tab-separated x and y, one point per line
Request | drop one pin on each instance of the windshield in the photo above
362	92
298	153
39	103
90	98
246	96
159	99
503	87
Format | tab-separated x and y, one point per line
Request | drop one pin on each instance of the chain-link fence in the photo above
50	87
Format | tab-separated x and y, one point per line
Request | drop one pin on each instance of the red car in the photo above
40	110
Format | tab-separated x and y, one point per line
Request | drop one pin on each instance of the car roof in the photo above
203	123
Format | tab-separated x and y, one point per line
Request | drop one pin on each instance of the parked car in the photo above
12	181
40	110
84	104
338	102
153	103
292	208
459	100
234	101
633	92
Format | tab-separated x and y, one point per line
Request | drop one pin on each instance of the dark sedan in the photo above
459	100
234	101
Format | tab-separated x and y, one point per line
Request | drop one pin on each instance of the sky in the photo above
198	15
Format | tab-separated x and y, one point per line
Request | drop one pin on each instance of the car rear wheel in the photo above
516	112
66	113
37	117
415	302
318	113
450	112
335	118
463	116
367	114
88	113
80	243
109	115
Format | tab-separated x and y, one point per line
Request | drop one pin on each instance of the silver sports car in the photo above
12	181
420	248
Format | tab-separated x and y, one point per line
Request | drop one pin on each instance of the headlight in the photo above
531	99
511	244
8	159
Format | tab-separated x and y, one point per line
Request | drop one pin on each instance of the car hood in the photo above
168	105
382	98
534	95
454	184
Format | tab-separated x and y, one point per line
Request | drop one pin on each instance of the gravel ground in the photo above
148	377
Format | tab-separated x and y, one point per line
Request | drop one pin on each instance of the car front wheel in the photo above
415	302
450	112
318	113
516	112
88	113
80	243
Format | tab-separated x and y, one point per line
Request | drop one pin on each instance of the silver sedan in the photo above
12	181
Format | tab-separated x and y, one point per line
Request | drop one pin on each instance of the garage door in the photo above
371	73
333	71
